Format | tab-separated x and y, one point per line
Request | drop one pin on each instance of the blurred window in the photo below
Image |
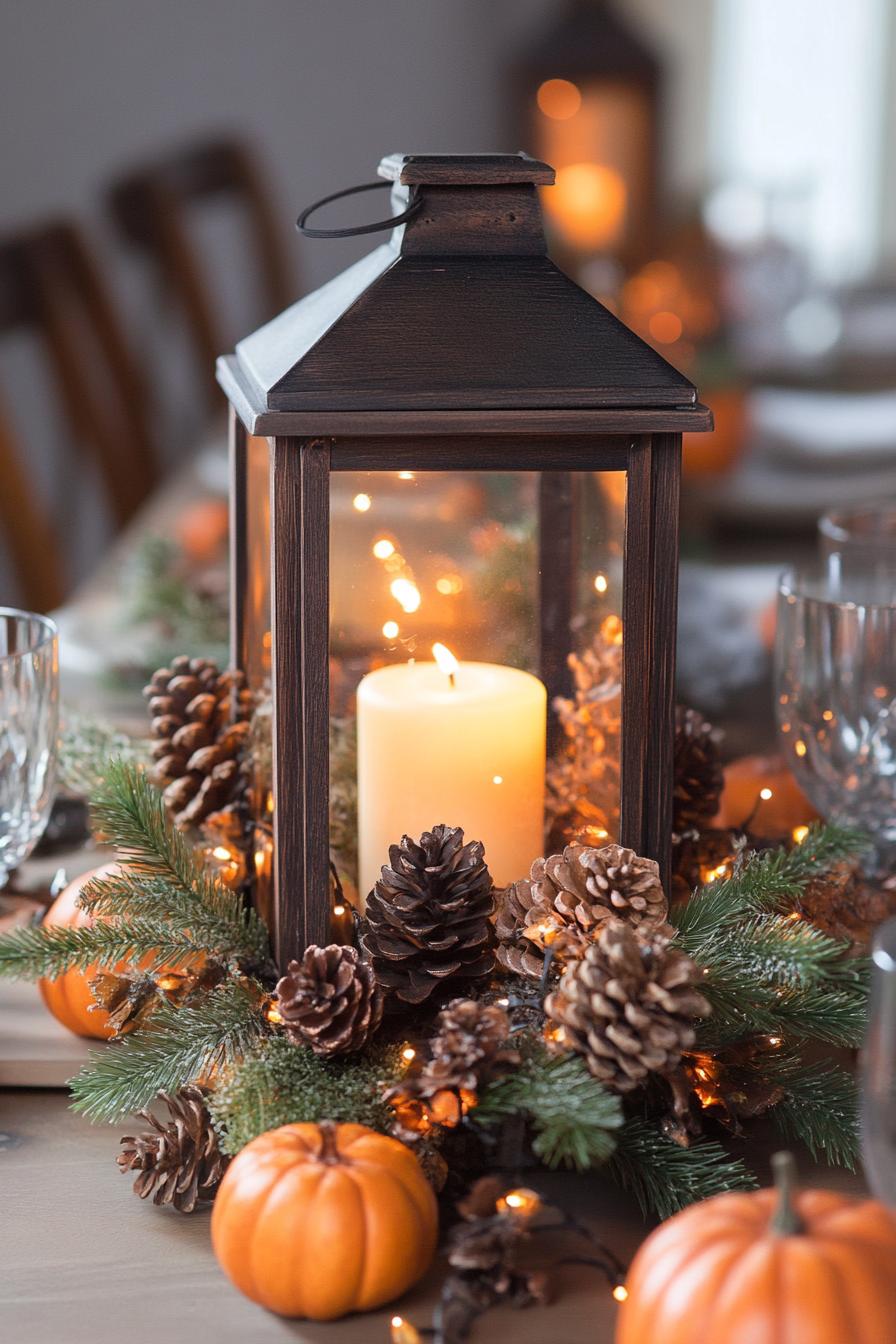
799	109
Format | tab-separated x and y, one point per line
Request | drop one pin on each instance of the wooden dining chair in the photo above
156	208
51	287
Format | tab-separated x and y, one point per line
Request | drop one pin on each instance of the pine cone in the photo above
571	896
704	856
200	723
127	999
180	1162
469	1048
628	1006
429	915
330	1000
699	778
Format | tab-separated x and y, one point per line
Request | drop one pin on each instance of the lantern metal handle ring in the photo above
414	205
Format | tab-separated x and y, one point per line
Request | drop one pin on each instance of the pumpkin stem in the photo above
328	1150
786	1221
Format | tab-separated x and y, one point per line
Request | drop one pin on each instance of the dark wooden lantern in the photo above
456	346
587	95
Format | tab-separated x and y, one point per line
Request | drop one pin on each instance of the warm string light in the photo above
403	1332
391	629
601	583
799	834
521	1203
362	503
408	1054
406	594
620	1292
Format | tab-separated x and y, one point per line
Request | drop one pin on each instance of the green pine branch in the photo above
769	882
574	1118
164	876
820	1108
773	975
178	1046
665	1178
44	953
280	1083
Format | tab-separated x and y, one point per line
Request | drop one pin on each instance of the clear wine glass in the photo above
29	714
863	536
835	675
879	1070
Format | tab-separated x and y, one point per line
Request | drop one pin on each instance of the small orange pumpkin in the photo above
813	1268
320	1220
68	997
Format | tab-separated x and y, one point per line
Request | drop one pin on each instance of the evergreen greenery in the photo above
665	1177
574	1119
820	1108
178	1046
278	1083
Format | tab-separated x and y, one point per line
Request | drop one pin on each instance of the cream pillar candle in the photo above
466	748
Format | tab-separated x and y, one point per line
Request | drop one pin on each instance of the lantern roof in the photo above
590	38
462	310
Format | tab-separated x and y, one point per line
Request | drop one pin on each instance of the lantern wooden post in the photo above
300	531
239	547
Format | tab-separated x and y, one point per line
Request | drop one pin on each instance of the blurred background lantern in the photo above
588	100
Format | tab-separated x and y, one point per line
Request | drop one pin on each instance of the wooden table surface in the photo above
83	1261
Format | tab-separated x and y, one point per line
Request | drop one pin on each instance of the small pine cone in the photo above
569	897
699	778
469	1048
628	1006
127	999
179	1162
330	1000
200	725
429	915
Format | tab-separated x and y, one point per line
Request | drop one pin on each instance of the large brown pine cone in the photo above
568	897
178	1162
628	1006
429	915
330	1000
200	723
698	774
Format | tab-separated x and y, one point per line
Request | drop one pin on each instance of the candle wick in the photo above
451	681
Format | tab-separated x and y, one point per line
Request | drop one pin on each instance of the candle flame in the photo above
445	659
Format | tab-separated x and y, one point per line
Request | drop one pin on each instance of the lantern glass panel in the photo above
458	559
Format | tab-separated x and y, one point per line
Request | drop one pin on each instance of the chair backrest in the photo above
51	286
152	208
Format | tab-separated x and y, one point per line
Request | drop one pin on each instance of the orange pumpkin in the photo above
68	997
320	1220
810	1268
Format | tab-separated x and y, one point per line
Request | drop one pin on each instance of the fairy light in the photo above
221	853
558	99
272	1013
799	834
766	794
827	715
497	779
338	910
362	503
406	594
408	1054
383	548
620	1292
449	585
390	629
519	1202
406	476
800	747
611	630
601	583
402	1332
